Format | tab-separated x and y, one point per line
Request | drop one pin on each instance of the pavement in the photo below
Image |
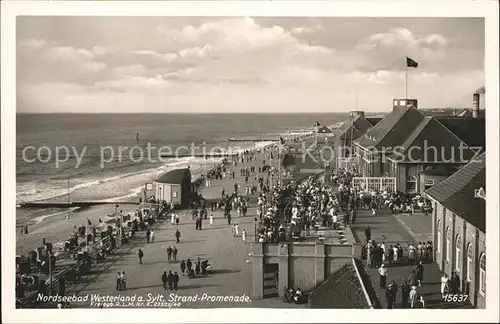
229	255
403	229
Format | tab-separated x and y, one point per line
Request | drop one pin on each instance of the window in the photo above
458	260
428	183
402	102
440	239
448	244
482	274
470	257
411	183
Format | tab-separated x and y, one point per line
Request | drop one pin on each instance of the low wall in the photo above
299	264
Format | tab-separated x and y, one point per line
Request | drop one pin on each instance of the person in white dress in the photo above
152	236
236	229
244	235
211	219
383	249
444	283
172	218
396	257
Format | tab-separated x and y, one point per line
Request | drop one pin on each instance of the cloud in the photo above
235	35
243	64
401	41
306	29
33	43
136	69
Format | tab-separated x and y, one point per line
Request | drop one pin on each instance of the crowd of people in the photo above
410	295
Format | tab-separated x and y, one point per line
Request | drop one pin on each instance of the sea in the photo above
104	157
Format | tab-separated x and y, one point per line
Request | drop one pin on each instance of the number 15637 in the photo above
455	298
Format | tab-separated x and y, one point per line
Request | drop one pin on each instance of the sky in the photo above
244	64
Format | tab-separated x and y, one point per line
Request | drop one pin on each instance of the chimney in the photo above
475	105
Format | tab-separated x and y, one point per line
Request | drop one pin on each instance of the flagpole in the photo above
279	160
406	81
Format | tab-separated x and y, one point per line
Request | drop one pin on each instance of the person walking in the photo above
211	219
368	233
169	253
124	280
413	297
405	294
152	236
244	235
177	236
164	280
148	235
183	267
177	219
140	254
176	280
174	253
170	280
420	273
394	292
119	281
389	297
444	284
383	276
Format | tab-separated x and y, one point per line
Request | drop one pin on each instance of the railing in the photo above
368	299
374	183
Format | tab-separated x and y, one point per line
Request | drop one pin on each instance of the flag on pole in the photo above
411	63
89	223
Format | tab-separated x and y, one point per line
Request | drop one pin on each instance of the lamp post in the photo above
50	271
255	228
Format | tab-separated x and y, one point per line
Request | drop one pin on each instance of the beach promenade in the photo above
229	255
403	229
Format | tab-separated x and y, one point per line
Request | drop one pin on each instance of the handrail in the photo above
368	300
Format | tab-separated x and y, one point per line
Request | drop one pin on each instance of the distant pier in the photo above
208	154
232	139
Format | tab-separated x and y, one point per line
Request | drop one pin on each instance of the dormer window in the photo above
403	103
396	103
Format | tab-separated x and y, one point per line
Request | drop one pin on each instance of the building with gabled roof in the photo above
405	143
459	227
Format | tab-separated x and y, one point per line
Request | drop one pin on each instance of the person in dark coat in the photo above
391	254
183	267
164	280
170	280
455	283
368	233
148	235
174	253
405	294
189	264
176	280
198	266
420	273
412	279
169	253
140	254
394	292
177	236
389	297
